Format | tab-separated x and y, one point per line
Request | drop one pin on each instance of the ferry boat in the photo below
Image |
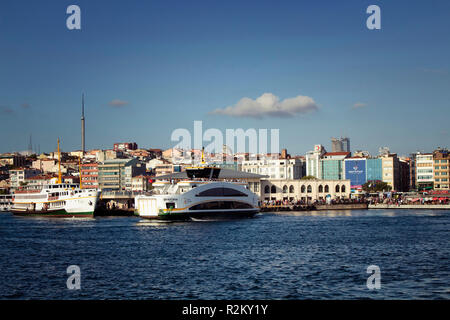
200	193
56	200
5	202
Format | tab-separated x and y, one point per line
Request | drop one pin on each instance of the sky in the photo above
311	69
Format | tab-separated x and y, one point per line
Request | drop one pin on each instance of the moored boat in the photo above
56	200
200	193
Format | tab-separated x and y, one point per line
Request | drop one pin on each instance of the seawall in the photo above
342	206
409	206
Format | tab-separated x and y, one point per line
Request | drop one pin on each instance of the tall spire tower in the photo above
82	124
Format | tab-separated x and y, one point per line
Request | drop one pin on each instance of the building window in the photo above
303	189
320	189
285	189
273	189
327	189
309	190
337	188
266	189
343	189
291	189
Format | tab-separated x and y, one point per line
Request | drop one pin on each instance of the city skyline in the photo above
228	64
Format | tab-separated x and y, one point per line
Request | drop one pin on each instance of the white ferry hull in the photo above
192	206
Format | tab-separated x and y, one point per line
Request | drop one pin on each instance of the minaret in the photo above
82	124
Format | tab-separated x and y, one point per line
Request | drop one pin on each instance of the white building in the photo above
275	168
140	183
304	190
313	165
18	176
424	170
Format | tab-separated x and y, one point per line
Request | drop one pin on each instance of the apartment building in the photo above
441	169
89	175
18	176
424	171
116	174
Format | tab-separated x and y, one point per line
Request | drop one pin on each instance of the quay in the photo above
409	206
318	207
116	203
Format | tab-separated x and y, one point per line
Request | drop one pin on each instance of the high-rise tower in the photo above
82	124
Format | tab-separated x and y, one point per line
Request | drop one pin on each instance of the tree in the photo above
308	178
376	186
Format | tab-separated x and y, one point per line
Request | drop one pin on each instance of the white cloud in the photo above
118	103
359	105
269	105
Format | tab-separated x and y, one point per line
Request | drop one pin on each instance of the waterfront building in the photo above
275	168
332	165
391	170
404	178
303	190
140	184
374	169
89	175
412	171
313	166
424	171
441	168
356	171
116	174
18	176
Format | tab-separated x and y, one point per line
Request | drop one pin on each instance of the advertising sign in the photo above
355	171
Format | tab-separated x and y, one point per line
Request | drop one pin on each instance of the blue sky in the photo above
174	62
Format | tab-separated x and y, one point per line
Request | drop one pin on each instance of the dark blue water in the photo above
290	256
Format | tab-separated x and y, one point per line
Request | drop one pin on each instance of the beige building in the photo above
303	190
391	170
140	183
441	168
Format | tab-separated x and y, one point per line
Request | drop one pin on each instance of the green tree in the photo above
376	186
308	178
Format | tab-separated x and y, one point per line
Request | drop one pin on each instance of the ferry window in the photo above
228	192
170	205
241	205
221	192
217	205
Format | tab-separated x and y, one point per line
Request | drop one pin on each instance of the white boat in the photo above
56	200
5	202
198	193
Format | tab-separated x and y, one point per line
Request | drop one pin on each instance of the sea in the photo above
358	254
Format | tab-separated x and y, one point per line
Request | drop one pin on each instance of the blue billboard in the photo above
355	171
